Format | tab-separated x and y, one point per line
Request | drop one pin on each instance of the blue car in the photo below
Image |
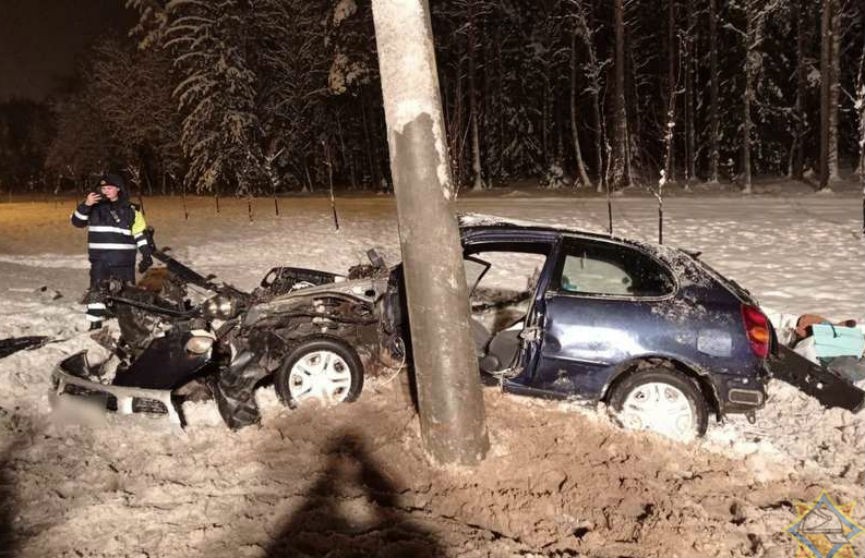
652	331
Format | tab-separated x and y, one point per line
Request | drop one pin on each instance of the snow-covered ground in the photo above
126	487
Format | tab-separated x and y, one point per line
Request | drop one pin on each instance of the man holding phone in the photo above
115	228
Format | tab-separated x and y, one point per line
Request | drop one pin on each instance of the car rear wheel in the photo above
322	369
662	400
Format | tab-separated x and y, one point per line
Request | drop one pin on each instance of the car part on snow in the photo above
183	272
662	400
828	368
70	377
325	369
825	385
15	344
172	336
167	363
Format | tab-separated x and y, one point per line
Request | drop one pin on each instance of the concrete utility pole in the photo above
448	382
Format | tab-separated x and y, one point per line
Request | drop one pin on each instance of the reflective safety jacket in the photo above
114	231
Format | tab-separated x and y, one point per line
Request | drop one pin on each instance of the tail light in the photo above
757	330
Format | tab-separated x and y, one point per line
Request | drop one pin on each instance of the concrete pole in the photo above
445	364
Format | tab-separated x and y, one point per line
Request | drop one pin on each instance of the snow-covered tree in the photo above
714	118
132	92
277	94
220	132
756	13
83	144
293	78
619	174
859	108
593	70
689	76
827	32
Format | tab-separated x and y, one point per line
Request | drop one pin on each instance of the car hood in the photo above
368	289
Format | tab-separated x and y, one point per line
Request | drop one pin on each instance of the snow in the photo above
343	10
131	486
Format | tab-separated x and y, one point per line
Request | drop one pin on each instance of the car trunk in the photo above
828	387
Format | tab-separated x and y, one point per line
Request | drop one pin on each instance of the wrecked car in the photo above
182	333
653	332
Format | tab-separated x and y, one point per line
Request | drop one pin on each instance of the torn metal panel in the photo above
828	387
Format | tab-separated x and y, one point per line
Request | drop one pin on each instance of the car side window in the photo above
595	268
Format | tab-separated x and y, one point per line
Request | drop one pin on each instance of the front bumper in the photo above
68	379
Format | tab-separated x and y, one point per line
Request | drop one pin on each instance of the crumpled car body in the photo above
185	334
652	331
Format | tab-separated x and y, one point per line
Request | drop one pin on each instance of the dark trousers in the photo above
100	274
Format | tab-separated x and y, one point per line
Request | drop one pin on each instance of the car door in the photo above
600	309
515	253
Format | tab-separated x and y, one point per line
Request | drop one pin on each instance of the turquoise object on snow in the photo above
834	341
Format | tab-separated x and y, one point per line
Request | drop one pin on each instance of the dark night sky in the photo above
40	40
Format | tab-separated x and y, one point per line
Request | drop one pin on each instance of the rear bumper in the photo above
67	380
740	394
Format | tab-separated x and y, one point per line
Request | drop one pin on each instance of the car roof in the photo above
484	221
471	222
480	221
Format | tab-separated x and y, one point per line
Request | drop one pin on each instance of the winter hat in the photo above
112	179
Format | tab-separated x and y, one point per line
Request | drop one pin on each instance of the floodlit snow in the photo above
797	254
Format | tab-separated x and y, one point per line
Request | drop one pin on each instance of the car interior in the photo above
501	283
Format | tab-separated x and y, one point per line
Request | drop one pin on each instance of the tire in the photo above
662	400
325	369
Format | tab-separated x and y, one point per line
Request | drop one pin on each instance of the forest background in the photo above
265	97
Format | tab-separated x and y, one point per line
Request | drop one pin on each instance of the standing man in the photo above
115	227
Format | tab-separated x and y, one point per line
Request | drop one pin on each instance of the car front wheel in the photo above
322	369
662	400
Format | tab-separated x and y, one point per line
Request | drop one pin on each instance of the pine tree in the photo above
220	134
